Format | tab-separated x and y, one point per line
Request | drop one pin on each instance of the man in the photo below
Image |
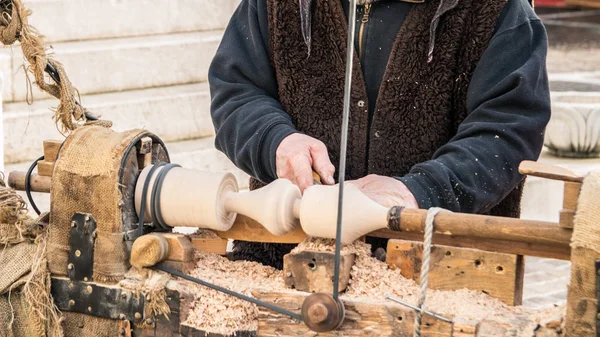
448	97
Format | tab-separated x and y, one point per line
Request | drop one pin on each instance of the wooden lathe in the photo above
82	236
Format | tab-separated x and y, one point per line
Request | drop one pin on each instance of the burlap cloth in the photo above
585	250
86	179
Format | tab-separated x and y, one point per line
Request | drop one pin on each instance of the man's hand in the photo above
386	191
298	155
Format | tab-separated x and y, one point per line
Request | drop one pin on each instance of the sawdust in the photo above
215	312
371	280
204	234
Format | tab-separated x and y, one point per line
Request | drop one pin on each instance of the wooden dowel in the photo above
536	169
16	180
488	227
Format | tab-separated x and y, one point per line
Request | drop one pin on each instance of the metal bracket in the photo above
97	300
81	247
597	269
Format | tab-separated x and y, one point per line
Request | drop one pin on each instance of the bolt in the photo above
78	253
85	279
71	303
70	266
89	289
289	274
122	317
149	321
137	316
317	313
73	224
90	309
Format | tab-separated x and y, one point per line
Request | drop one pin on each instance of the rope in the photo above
14	26
428	236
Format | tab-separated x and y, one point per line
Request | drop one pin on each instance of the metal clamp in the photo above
81	247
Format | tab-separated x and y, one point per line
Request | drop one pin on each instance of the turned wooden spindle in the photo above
192	198
361	215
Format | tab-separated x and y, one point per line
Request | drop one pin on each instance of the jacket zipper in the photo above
363	23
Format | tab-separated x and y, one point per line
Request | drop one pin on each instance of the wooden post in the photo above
312	271
181	252
571	195
499	275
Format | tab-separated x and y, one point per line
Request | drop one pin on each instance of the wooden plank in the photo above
464	328
566	217
45	168
499	275
51	148
362	319
246	229
42	184
214	245
571	195
560	252
312	271
547	171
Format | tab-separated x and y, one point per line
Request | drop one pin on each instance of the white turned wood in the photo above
191	198
272	206
361	215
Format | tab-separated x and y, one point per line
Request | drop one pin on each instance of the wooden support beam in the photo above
246	229
45	168
362	319
498	275
566	217
210	245
42	184
311	271
51	148
537	169
571	195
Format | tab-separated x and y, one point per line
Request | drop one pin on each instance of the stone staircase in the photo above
138	63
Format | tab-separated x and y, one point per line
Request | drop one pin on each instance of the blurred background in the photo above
144	64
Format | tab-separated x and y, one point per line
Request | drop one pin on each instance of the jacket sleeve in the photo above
249	121
509	106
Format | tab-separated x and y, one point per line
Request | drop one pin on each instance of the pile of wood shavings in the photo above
371	280
215	312
205	234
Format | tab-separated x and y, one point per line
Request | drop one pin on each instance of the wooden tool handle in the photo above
537	169
16	180
316	178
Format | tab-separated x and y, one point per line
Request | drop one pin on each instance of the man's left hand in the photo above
386	191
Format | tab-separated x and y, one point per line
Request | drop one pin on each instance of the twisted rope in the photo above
428	236
14	26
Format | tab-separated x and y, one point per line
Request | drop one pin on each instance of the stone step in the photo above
120	64
70	20
174	113
198	154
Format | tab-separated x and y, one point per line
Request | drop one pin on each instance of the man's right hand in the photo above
298	155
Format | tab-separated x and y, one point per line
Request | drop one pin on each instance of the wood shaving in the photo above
371	280
215	312
204	234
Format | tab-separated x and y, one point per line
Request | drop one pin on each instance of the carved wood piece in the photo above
499	275
180	247
312	271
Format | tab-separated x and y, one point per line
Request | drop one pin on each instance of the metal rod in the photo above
434	315
229	292
344	142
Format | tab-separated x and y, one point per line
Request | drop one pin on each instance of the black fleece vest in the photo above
420	103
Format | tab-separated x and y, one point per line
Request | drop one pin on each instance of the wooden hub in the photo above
321	313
